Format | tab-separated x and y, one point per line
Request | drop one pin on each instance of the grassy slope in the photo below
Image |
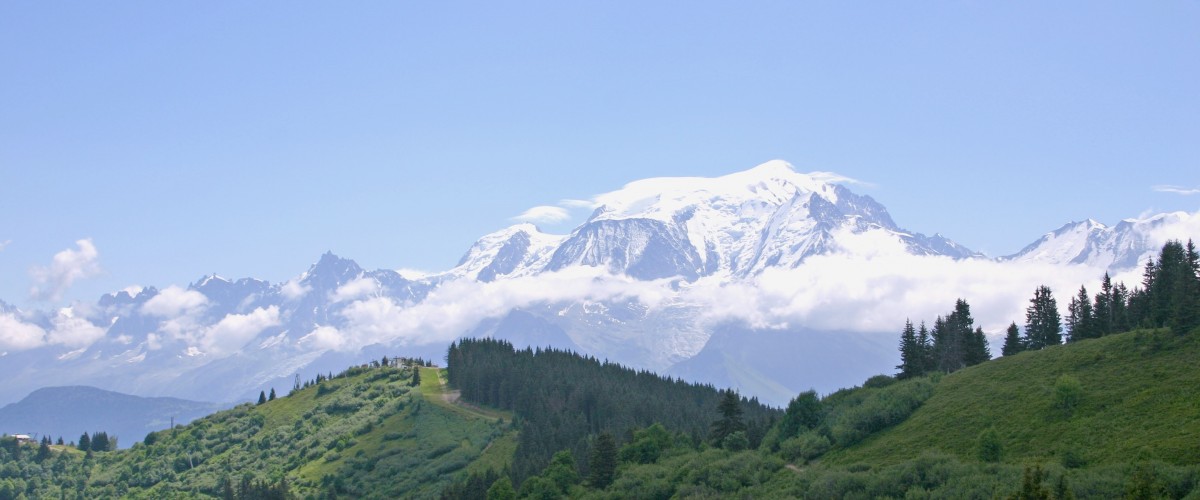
398	442
1141	400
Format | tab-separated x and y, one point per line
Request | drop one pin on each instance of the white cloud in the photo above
323	337
571	203
69	265
544	214
235	330
834	178
355	289
293	290
875	285
174	301
17	335
1186	191
72	331
1180	226
4	244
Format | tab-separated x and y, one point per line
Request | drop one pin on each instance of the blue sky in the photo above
184	138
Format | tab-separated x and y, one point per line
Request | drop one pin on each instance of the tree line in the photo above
1169	297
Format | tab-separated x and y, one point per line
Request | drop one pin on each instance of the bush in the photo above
1068	393
804	447
989	446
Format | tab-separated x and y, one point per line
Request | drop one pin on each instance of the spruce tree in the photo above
1103	310
912	353
1079	317
85	442
1012	341
416	378
271	397
262	397
977	350
1043	325
730	422
603	461
925	341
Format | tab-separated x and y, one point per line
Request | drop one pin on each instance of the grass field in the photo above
1138	398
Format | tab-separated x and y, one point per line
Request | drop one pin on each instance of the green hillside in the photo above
363	434
1138	397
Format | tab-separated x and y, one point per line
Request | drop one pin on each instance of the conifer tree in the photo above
1012	341
1080	322
416	378
1103	310
85	442
977	350
730	422
271	397
262	397
1043	325
925	341
804	412
603	461
912	353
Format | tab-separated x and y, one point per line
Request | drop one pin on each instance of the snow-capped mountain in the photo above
735	225
1126	245
637	283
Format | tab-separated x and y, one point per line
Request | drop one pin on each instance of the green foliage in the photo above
991	449
804	447
1141	389
730	421
647	445
803	413
1043	325
1068	392
502	489
562	400
603	461
853	414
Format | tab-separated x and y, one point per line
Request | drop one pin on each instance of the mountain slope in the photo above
68	412
1138	400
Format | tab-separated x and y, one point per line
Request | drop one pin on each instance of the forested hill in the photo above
562	399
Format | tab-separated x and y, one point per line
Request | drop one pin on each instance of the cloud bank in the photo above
544	214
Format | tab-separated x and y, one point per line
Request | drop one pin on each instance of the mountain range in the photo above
658	277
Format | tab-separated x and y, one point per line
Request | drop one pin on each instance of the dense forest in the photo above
563	401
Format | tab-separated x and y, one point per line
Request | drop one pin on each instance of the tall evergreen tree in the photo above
416	379
1043	325
1103	310
603	461
912	353
1080	321
85	442
925	341
730	422
977	350
1012	341
271	396
262	397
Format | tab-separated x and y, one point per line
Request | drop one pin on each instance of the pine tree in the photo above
1043	325
912	353
271	397
85	442
1103	310
416	378
1080	321
925	341
1012	341
262	397
977	350
603	461
730	422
